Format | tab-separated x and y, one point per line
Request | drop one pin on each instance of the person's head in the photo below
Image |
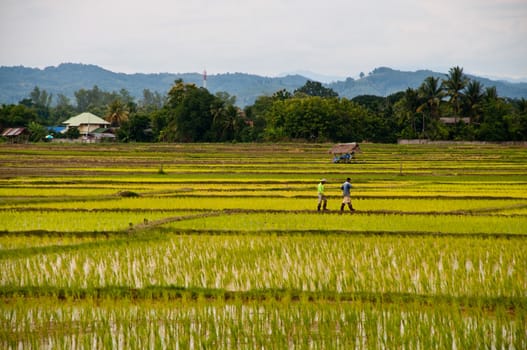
348	179
323	180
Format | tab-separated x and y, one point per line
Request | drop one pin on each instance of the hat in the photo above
323	180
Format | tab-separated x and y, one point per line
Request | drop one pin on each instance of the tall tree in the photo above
190	111
228	121
151	101
314	88
473	99
432	94
406	113
491	94
522	105
282	94
125	97
41	97
90	100
522	118
63	109
116	113
40	101
348	121
495	123
453	86
16	116
226	98
317	119
256	115
136	129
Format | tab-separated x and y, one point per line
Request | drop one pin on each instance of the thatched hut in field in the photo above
344	152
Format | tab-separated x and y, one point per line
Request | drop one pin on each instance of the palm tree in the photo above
522	105
432	94
117	113
231	122
473	98
227	121
491	93
453	86
408	106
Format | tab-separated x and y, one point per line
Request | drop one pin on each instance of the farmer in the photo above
346	194
321	195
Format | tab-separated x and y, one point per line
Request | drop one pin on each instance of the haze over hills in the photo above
16	83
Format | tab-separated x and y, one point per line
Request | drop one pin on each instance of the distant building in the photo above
16	135
86	123
455	120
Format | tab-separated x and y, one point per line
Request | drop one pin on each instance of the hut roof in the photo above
85	118
13	132
345	148
102	131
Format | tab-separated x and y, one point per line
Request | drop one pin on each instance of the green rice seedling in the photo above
226	325
16	241
76	221
250	202
315	263
284	222
227	251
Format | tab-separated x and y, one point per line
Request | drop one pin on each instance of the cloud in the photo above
335	37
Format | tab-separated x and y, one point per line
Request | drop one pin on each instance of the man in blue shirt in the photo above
346	194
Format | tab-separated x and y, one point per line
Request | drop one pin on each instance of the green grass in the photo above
233	254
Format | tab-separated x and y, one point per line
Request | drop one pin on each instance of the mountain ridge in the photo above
16	82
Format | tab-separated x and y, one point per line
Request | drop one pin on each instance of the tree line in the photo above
452	108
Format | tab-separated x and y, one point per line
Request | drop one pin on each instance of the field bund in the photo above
221	246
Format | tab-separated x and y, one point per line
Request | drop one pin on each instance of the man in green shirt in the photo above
322	200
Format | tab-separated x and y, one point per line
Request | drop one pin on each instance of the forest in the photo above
451	108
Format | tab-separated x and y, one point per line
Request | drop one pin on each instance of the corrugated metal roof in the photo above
101	131
56	129
13	131
85	119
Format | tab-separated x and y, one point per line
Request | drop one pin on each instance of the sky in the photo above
335	38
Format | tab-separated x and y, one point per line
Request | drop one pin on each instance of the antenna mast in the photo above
205	79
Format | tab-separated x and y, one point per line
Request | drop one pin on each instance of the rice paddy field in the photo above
220	246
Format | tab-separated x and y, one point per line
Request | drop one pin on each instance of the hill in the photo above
384	81
17	82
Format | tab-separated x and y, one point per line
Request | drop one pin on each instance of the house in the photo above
454	120
16	135
86	123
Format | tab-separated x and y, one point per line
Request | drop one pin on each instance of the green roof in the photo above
85	118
